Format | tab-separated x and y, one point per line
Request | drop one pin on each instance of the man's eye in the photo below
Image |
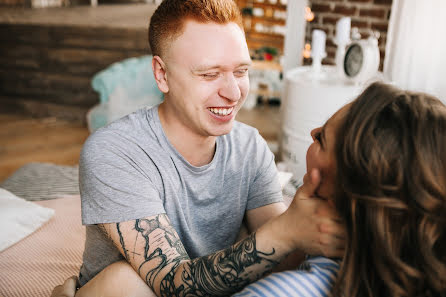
241	72
209	75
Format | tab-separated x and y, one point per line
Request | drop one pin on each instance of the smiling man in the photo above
167	188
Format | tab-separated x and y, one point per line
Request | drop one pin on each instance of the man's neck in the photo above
198	150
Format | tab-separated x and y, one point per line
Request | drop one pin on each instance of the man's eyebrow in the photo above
205	68
249	63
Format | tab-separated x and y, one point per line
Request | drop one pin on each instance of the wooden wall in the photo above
21	3
46	70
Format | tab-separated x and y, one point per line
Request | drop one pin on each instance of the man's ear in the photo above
159	71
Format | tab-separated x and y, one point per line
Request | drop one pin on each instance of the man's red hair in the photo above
167	23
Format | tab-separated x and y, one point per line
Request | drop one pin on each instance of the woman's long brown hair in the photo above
391	189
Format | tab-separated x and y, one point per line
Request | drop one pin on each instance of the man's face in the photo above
207	76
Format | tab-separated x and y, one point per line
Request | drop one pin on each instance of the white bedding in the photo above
19	218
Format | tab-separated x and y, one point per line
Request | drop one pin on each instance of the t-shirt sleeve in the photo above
113	186
265	188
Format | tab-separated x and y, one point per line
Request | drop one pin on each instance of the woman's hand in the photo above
67	289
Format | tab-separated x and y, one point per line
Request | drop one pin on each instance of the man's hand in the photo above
313	222
68	289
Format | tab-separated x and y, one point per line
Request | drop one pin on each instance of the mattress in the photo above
44	259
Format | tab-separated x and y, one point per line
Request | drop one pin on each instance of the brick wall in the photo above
366	15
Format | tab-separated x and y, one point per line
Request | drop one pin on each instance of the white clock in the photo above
361	60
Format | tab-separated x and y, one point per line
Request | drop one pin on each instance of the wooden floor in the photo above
24	139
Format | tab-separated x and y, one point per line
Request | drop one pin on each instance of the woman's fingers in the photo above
67	289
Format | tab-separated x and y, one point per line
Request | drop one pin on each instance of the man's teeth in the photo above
221	111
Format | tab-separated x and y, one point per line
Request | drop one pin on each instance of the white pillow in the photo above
19	218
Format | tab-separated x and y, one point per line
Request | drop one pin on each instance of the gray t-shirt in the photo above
129	170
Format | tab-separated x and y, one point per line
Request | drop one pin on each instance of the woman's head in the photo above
390	187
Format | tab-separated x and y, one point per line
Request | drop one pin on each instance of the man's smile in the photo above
222	111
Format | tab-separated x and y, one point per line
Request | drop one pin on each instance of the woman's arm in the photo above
67	289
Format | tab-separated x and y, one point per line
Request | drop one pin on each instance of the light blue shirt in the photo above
315	277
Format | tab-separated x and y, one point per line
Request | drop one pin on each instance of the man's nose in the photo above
230	88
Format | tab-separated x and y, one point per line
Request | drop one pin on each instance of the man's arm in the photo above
259	216
306	209
161	262
329	227
153	248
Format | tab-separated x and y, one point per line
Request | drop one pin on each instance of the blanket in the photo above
44	259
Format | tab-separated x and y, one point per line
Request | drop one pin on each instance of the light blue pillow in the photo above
123	87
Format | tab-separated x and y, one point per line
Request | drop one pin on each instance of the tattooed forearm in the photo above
222	273
160	258
158	244
227	271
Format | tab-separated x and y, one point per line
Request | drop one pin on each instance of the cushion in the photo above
19	218
43	181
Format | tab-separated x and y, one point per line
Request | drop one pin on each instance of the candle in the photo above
343	31
318	44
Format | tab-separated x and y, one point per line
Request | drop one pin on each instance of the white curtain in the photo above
416	46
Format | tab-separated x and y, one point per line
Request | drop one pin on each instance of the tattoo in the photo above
225	272
121	240
169	253
219	274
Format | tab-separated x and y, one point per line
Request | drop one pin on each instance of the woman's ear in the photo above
159	71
